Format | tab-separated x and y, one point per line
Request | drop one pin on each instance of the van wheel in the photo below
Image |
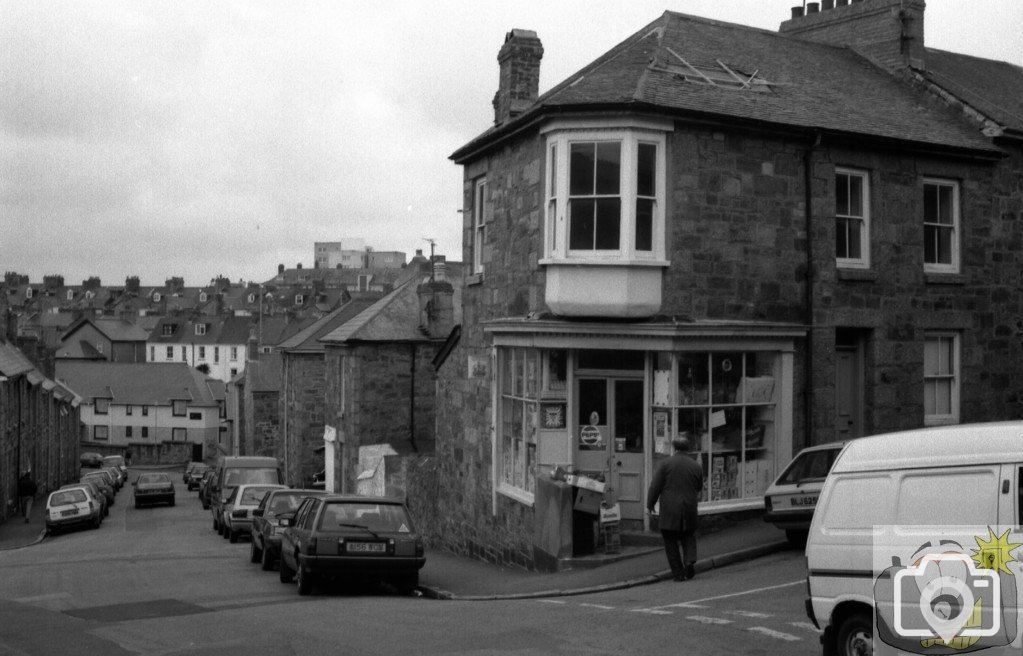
855	635
796	538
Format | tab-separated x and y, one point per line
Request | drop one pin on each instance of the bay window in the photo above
605	188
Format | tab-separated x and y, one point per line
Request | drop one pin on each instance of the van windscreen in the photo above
246	476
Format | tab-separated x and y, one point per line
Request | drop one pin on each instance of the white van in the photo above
908	492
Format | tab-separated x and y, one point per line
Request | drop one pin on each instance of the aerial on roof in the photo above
687	66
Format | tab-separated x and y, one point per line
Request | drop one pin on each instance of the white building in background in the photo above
354	254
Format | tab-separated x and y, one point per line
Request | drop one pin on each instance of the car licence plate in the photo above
803	501
366	547
68	513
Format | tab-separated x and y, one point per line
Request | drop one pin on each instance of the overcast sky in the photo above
210	138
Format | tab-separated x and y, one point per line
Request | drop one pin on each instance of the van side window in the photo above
949	498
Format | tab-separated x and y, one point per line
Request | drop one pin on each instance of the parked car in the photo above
790	501
266	530
233	471
188	470
155	487
365	537
205	488
96	493
100	481
237	511
117	461
91	459
194	476
119	477
106	476
72	507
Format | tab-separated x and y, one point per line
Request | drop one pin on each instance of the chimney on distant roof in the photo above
890	33
519	83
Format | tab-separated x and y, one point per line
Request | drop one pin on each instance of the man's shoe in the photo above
690	571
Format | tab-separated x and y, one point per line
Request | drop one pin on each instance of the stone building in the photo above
39	424
759	240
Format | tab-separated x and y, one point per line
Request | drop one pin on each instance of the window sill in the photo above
474	279
857	275
599	261
515	494
934	278
941	421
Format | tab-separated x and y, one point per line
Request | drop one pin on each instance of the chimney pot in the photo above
813	7
827	4
797	12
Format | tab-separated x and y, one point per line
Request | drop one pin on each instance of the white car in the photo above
72	507
239	506
790	501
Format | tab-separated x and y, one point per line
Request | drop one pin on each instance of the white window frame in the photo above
203	297
101	433
504	482
202	352
200	329
70	294
156	297
299	299
862	262
953	266
28	292
170	352
234	353
950	373
482	210
560	135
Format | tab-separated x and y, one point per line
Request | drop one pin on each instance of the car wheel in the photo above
407	584
796	538
255	553
96	522
855	636
304	578
287	575
205	506
266	561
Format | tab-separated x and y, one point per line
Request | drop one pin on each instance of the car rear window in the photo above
152	478
67	497
282	503
253	495
809	465
387	517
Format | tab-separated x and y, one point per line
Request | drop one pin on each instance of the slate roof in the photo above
78	349
812	86
116	330
994	88
137	383
307	339
12	361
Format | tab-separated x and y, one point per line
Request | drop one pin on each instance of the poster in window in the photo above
553	415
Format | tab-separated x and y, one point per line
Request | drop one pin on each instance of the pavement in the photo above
449	576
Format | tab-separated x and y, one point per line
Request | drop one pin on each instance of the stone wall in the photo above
379	394
264	424
301	412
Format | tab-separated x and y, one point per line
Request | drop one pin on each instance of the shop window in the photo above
724	404
941	379
518	409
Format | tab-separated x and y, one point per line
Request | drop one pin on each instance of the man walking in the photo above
26	493
678	483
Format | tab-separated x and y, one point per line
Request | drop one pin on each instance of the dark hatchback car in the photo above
194	475
206	488
367	538
154	488
266	529
91	459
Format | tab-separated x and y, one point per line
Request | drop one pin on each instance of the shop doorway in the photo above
609	437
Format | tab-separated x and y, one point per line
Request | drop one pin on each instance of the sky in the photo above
222	138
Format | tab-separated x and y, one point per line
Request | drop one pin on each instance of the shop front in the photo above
604	401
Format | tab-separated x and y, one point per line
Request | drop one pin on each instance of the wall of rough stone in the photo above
301	412
264	426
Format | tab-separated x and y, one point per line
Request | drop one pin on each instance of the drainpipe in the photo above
808	359
412	401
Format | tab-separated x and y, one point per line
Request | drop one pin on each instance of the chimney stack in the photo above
890	33
519	82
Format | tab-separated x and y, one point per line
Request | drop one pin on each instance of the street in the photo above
160	581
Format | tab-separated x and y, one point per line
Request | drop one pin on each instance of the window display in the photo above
520	417
724	405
